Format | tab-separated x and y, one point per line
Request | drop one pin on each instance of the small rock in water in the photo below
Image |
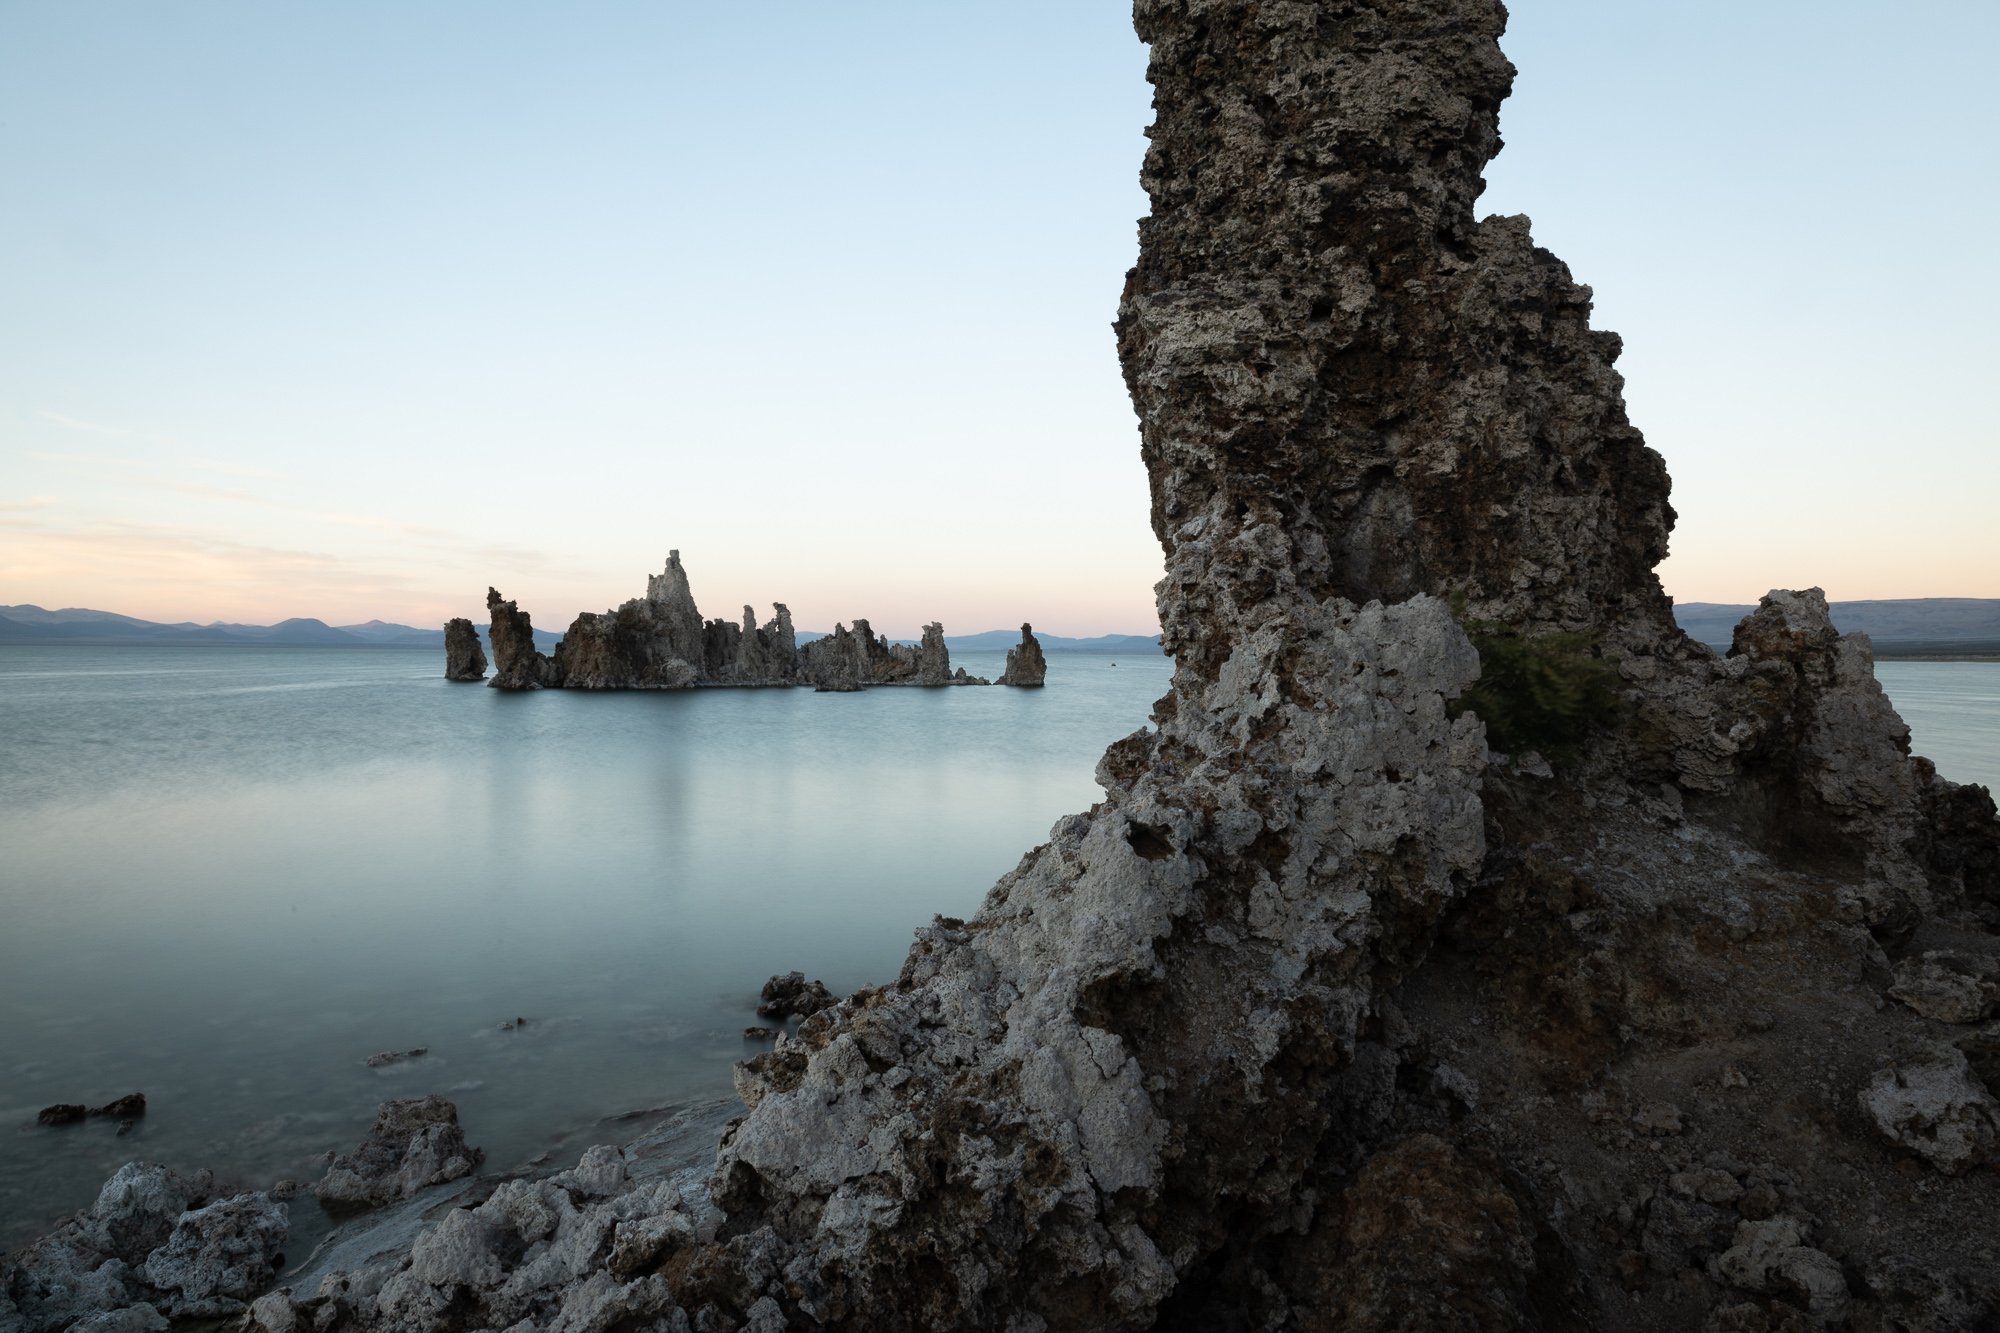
759	1034
382	1058
792	996
124	1128
63	1113
464	658
1025	664
414	1143
128	1107
287	1189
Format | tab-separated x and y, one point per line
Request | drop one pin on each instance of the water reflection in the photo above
234	873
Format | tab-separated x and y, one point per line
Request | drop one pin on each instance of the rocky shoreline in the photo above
161	1248
661	642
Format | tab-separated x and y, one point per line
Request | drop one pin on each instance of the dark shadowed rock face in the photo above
464	659
1025	664
857	658
517	665
660	642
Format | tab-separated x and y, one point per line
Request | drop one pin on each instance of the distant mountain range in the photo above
75	624
1899	626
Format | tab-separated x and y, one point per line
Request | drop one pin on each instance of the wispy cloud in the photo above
96	460
238	470
94	428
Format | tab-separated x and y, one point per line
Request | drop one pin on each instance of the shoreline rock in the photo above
154	1245
414	1143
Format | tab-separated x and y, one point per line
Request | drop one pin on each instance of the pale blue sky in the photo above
352	310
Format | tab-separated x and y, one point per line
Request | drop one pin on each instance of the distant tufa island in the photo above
661	642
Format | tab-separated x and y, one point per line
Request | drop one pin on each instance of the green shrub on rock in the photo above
1538	692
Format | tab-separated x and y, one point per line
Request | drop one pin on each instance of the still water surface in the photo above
229	874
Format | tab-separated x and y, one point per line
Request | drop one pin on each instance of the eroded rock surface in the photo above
153	1245
1025	663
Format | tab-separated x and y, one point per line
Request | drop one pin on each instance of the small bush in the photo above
1543	692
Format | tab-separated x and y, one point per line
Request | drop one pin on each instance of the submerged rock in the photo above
1025	664
382	1059
414	1142
218	1256
62	1113
790	995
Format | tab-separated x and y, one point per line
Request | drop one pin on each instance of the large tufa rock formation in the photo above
1315	964
1025	664
660	642
464	659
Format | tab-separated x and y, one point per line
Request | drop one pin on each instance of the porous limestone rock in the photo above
414	1142
91	1264
1010	1051
1025	664
1771	1257
1929	1102
579	1252
464	658
218	1256
1948	986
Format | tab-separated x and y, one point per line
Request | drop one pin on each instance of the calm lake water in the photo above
231	874
228	875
